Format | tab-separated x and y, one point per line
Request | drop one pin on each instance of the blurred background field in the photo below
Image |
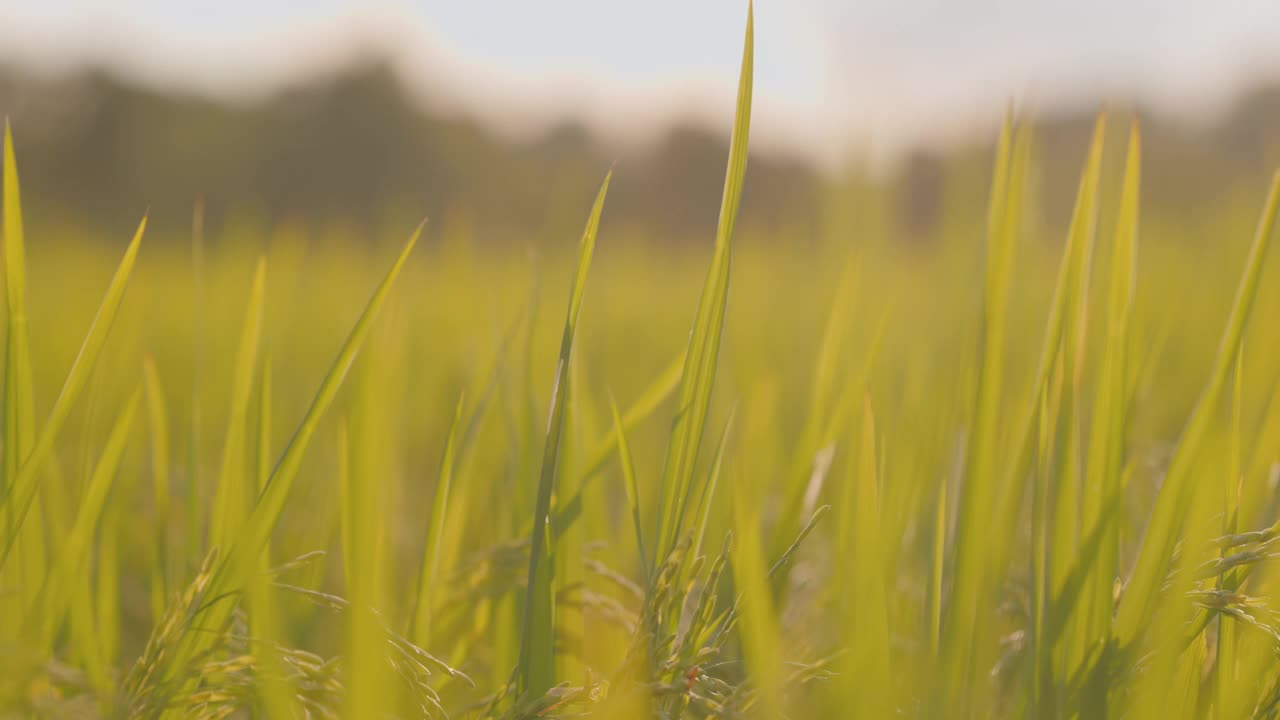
852	275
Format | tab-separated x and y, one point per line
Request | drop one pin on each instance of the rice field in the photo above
1018	473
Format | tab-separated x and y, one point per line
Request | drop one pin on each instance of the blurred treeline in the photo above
353	147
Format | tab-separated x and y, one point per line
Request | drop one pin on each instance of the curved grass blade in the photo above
235	491
429	572
1156	553
73	556
193	510
698	379
346	511
264	614
866	605
823	406
107	591
650	398
709	490
1227	659
1057	372
629	480
1062	338
257	528
1110	409
262	465
365	560
978	489
1040	649
158	427
19	390
19	413
757	628
235	570
19	497
535	671
1056	481
805	479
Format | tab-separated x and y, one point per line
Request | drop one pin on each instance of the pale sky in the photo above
832	76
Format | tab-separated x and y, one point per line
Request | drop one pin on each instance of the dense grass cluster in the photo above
1020	477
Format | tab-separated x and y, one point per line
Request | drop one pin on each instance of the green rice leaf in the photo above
234	572
235	485
18	498
535	671
629	481
644	405
1158	542
158	431
709	490
978	489
429	578
758	629
19	390
262	464
264	612
698	379
257	528
824	409
73	557
1110	409
346	494
19	412
865	603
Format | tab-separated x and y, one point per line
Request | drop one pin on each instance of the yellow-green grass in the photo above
1022	471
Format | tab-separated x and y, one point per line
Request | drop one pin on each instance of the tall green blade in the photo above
258	526
264	614
641	408
19	404
865	603
1158	542
1227	660
107	593
709	490
1110	407
537	644
823	404
346	508
977	491
158	429
1064	316
73	557
1056	479
262	464
371	465
19	413
1041	647
193	510
701	358
993	491
1070	475
629	481
429	572
240	563
235	486
758	631
18	498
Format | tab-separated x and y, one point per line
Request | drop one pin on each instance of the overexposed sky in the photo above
832	76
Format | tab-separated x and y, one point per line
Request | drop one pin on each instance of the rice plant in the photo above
1032	476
